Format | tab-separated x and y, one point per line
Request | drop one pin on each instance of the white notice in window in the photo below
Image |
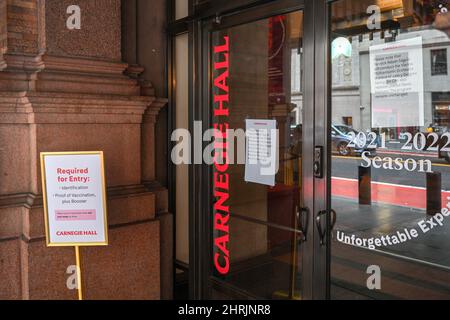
261	164
396	75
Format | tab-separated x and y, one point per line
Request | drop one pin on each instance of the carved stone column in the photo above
65	90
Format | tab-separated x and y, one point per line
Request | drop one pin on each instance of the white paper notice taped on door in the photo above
261	164
396	75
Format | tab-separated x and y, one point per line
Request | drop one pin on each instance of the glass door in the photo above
259	103
389	138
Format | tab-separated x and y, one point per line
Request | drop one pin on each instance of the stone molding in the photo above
30	207
24	63
47	107
83	65
152	112
30	200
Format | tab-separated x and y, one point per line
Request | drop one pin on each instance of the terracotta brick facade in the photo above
23	26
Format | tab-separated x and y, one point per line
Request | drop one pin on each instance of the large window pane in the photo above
257	75
390	138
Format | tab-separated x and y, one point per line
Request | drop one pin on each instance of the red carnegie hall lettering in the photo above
221	176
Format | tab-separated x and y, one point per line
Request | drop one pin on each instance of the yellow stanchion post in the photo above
78	262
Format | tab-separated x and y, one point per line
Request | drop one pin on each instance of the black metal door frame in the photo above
322	124
315	256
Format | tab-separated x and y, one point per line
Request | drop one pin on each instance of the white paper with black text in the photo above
397	86
261	163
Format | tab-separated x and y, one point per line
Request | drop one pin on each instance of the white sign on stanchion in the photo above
74	197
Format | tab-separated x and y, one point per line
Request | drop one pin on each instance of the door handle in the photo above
302	221
333	219
322	230
318	162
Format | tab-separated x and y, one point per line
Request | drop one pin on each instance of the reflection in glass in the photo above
390	139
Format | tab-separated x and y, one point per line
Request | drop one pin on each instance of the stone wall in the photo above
100	31
67	90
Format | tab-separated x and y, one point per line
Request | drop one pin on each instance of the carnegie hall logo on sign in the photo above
221	163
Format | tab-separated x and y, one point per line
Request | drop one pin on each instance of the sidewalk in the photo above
380	219
415	269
